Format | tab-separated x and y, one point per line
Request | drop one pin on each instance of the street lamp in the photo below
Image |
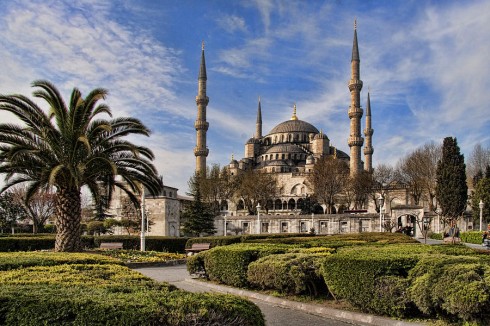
481	214
426	222
258	218
438	211
142	242
224	232
381	201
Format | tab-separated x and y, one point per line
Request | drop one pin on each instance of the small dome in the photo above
310	159
294	126
253	141
321	135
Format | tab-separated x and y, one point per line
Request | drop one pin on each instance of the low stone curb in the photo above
136	265
315	309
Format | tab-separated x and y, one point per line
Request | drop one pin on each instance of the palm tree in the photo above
69	148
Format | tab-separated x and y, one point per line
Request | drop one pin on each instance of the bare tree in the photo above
478	161
328	179
418	171
38	209
383	176
256	187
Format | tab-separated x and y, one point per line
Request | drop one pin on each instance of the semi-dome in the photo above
284	148
294	126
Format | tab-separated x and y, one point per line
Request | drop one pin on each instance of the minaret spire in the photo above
258	124
355	112
368	132
201	150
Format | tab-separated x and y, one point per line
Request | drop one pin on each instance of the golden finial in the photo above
259	98
232	156
294	117
202	45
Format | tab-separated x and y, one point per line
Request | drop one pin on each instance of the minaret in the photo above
258	124
355	112
368	132
201	151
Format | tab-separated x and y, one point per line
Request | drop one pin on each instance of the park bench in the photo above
451	240
111	245
197	247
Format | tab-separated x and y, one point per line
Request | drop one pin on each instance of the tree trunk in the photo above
68	217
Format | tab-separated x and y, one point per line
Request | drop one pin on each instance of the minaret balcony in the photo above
368	132
201	125
201	151
368	151
355	141
355	84
202	100
355	112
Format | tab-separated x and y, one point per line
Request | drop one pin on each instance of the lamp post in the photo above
426	222
224	231
258	218
481	214
438	212
381	201
142	241
312	222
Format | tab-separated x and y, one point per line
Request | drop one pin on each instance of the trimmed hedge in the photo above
452	286
23	243
152	243
292	273
56	305
472	237
46	242
16	260
353	273
93	294
215	241
229	264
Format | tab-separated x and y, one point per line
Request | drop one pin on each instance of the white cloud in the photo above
232	23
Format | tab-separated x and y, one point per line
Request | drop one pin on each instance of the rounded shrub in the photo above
293	273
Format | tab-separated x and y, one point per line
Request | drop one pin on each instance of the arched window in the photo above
224	205
270	204
278	204
240	205
291	204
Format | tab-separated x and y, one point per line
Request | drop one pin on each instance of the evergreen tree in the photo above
451	189
482	192
198	217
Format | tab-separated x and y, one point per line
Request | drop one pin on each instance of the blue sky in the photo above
425	62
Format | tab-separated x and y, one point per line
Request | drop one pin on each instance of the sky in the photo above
424	62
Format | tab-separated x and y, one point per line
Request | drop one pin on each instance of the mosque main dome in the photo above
294	126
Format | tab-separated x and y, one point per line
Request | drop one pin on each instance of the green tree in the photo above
10	211
198	217
451	189
70	147
482	192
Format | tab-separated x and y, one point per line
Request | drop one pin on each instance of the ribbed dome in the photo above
294	126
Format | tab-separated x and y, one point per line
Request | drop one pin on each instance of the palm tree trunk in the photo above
68	217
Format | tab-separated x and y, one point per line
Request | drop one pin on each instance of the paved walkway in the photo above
277	311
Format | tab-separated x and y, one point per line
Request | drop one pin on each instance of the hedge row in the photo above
216	241
17	260
229	264
292	273
105	294
403	280
46	242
